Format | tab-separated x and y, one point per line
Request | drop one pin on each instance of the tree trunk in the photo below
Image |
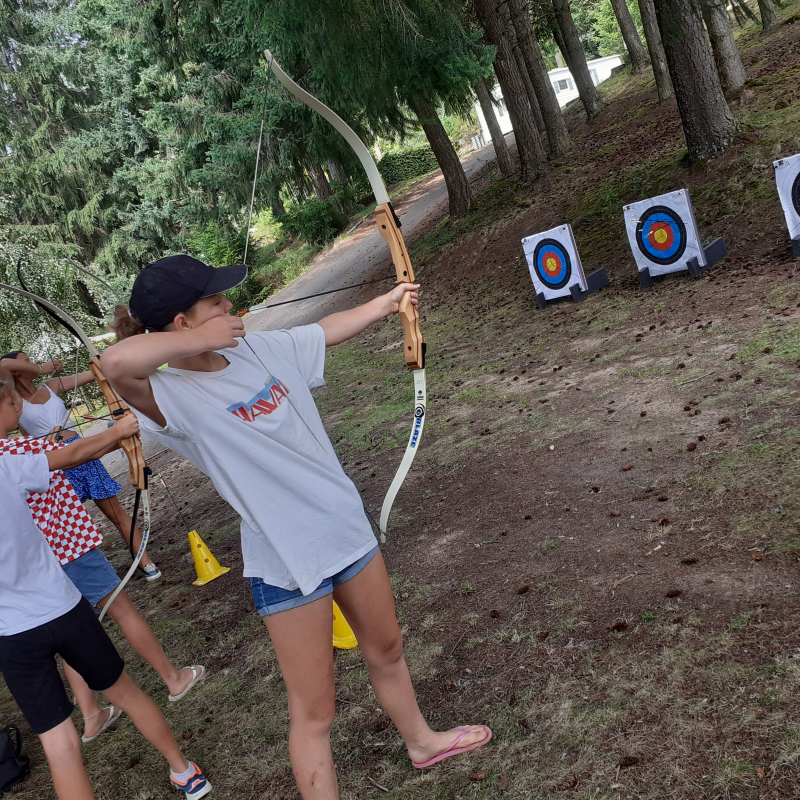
657	57
726	55
322	189
378	151
769	19
337	173
529	144
555	126
576	59
277	207
503	12
560	63
708	124
633	43
530	92
458	191
504	160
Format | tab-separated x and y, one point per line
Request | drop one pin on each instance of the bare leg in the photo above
144	642
63	751
148	719
117	515
94	717
302	640
368	605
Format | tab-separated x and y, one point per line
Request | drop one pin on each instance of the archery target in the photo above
663	233
787	175
553	262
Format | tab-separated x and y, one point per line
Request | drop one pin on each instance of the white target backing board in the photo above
787	175
663	233
554	262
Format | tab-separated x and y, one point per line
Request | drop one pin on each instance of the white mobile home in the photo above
563	84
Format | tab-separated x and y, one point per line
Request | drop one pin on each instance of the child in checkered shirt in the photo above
42	614
74	539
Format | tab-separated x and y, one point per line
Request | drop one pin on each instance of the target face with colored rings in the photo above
796	193
552	263
661	235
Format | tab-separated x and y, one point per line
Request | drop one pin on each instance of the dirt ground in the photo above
596	552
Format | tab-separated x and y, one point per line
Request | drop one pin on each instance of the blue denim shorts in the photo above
93	575
272	599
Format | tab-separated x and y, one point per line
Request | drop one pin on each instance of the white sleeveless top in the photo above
39	419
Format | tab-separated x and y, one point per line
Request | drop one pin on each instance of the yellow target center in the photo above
551	265
660	235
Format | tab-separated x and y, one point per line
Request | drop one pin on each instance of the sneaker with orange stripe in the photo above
195	786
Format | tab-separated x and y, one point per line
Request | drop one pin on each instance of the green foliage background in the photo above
405	164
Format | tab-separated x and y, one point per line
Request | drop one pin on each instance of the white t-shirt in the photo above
254	429
33	587
39	419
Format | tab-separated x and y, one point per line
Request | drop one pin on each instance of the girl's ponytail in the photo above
125	324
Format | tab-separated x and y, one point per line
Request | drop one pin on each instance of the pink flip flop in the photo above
454	750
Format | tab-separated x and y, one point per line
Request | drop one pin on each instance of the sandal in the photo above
115	714
198	673
453	750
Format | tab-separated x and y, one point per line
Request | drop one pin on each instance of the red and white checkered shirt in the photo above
59	512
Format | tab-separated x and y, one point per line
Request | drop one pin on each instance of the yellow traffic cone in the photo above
205	564
343	636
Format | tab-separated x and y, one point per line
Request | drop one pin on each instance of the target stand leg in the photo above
647	280
715	252
796	248
597	280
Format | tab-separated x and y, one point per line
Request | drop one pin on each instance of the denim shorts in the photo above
272	599
93	575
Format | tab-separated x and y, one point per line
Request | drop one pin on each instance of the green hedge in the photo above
405	164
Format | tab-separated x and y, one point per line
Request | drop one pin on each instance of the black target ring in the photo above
796	193
661	235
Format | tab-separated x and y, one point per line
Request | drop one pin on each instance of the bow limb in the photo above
389	228
132	446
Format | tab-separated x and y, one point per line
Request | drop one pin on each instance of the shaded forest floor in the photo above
596	552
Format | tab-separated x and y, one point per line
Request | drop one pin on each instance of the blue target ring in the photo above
552	263
661	235
796	193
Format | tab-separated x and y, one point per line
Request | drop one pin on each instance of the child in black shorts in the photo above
42	615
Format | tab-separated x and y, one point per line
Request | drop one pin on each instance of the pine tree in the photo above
568	40
656	49
708	124
726	55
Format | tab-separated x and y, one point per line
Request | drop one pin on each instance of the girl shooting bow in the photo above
241	411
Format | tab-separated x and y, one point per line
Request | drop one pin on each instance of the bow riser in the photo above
132	446
409	316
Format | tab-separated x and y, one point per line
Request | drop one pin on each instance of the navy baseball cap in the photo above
172	285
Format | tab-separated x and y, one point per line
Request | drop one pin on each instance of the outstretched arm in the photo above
82	450
345	325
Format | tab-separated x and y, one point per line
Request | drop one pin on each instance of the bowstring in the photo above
255	177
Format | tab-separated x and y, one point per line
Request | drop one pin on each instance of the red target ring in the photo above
551	263
661	235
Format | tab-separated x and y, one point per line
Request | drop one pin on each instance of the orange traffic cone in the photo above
343	636
205	564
